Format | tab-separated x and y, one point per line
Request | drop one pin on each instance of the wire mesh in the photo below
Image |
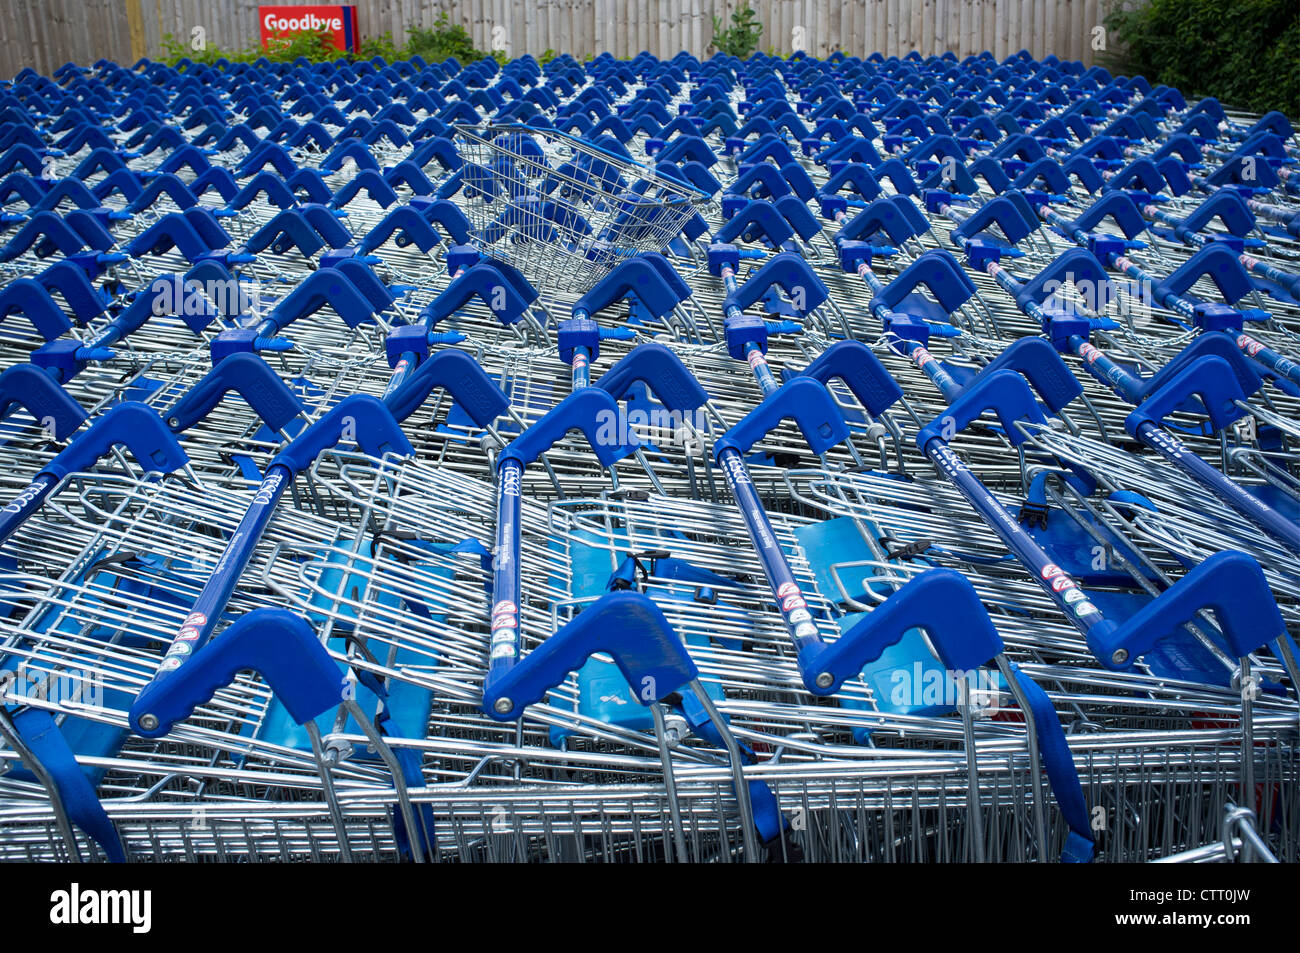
562	211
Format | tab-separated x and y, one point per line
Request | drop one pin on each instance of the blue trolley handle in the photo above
132	424
282	648
1213	380
628	626
276	644
251	378
33	734
944	604
585	409
652	658
29	387
361	418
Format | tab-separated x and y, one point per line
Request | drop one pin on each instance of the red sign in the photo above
338	19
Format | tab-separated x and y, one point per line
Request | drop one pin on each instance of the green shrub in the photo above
382	45
741	38
443	41
316	46
434	45
1245	53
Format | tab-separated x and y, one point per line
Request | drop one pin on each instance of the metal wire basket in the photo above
562	211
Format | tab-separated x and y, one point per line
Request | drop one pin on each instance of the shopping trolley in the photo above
565	212
150	509
512	210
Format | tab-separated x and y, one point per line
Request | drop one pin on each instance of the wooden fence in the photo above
44	34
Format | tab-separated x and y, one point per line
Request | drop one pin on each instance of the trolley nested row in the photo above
770	460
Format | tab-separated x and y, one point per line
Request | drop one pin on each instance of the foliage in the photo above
381	46
315	45
1245	53
443	41
433	45
741	38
